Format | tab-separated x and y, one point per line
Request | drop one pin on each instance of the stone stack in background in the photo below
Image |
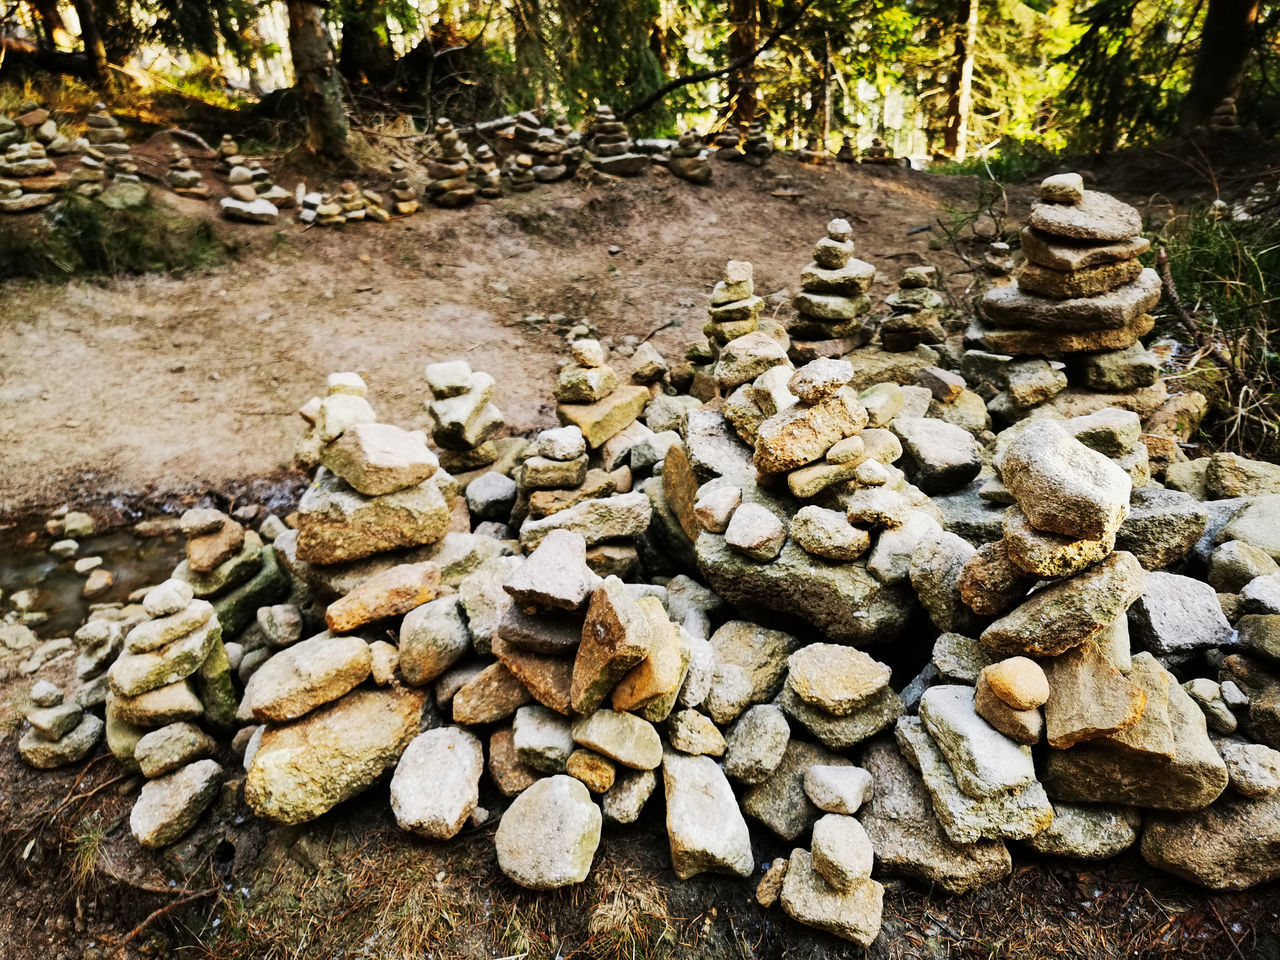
916	312
464	418
609	145
758	146
59	733
448	168
182	178
832	299
688	159
486	173
404	198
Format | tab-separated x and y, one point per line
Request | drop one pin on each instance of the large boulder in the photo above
704	824
1231	845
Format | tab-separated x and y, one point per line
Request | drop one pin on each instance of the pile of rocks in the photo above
916	312
813	152
182	178
734	309
464	418
404	198
59	733
688	159
486	173
758	147
877	152
108	143
832	300
590	396
28	178
848	152
254	196
552	152
449	168
609	145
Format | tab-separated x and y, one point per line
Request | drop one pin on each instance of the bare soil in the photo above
177	382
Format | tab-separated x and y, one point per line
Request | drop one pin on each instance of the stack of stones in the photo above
229	153
404	198
609	145
449	168
814	151
758	147
463	416
877	152
109	144
590	397
734	309
28	178
183	781
320	209
546	147
231	568
519	172
486	173
60	733
727	143
916	312
832	300
688	159
174	667
254	198
848	152
182	178
1224	119
1082	288
38	125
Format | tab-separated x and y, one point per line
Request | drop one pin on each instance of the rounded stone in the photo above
549	834
1019	682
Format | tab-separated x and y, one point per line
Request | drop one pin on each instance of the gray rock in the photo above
555	576
940	457
548	836
1253	769
828	534
1231	845
1257	523
838	789
433	637
841	851
1088	832
984	761
780	801
622	737
756	532
176	745
543	739
491	496
890	559
436	786
935	572
704	825
71	748
484	599
1162	526
168	807
843	732
1234	564
756	744
1176	616
630	792
612	518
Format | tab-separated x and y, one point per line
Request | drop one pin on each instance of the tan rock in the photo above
378	458
661	671
1096	217
601	420
616	636
1056	253
1085	282
307	675
595	771
206	551
802	434
1020	726
388	594
989	583
836	678
1050	555
492	695
1088	697
509	774
1018	681
548	678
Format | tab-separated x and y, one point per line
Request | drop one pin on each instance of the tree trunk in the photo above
527	16
91	37
960	101
1225	43
317	80
744	15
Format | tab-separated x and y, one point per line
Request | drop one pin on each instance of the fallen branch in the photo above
157	914
1202	337
734	66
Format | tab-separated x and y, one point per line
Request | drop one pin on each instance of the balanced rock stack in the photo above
590	397
758	147
1082	288
609	145
519	172
28	178
174	666
832	300
234	570
848	152
1224	118
229	156
813	151
254	198
486	173
547	146
877	152
734	309
108	143
449	168
182	178
727	143
60	733
916	312
404	198
463	416
688	159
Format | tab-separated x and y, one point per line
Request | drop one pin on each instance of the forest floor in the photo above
118	392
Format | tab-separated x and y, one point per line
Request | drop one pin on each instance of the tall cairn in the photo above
832	300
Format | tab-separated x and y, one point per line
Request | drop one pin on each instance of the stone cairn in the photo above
254	197
404	198
28	178
877	152
1224	119
814	151
728	144
758	147
688	159
550	149
1098	656
609	145
449	168
464	419
182	178
832	300
1082	295
916	309
486	173
109	144
848	152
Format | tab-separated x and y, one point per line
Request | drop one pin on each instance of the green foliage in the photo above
1227	273
82	237
1008	162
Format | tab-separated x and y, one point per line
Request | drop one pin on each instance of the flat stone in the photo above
843	732
1087	832
1162	526
609	518
1013	815
555	576
436	784
828	534
1060	253
623	737
838	789
1235	564
756	744
71	748
176	745
1256	523
1084	282
1231	845
1096	217
491	695
985	763
835	678
378	458
694	733
547	678
391	593
877	508
337	524
1089	697
760	656
960	659
706	830
155	708
548	837
1049	555
852	914
940	456
168	808
307	675
1065	614
803	433
603	419
1177	616
820	379
136	673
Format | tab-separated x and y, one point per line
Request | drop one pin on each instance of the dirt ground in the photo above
169	382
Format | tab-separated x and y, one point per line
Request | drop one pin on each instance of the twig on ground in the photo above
157	914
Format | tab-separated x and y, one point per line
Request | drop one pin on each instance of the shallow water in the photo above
134	562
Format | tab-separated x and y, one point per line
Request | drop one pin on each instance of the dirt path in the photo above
164	383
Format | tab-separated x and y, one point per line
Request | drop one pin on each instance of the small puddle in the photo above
134	562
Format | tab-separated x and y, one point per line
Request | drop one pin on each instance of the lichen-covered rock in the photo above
548	836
